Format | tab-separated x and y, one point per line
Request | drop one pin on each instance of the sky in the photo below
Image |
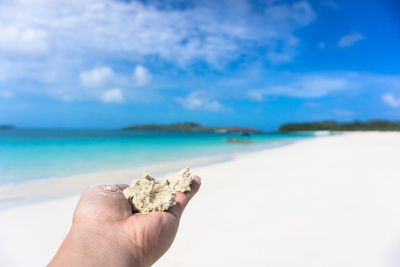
261	63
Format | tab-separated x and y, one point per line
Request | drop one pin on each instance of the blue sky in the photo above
111	63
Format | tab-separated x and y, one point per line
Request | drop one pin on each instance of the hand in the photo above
104	231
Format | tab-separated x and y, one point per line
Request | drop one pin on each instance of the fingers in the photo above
113	191
121	186
182	199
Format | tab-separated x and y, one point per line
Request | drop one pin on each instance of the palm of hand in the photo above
105	211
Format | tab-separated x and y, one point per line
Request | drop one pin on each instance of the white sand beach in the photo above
328	201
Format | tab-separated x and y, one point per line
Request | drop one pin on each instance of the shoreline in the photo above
42	154
40	190
17	194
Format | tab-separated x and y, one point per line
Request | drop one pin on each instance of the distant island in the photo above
190	127
372	125
6	127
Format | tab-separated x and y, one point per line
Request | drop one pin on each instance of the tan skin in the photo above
104	231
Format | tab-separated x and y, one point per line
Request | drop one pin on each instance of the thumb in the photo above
182	199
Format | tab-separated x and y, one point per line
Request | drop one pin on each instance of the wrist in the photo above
88	246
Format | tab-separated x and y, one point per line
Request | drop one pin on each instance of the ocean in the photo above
31	154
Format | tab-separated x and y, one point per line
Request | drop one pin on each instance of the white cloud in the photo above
210	33
198	100
46	44
317	85
307	86
23	40
391	100
6	94
350	39
96	77
141	75
113	96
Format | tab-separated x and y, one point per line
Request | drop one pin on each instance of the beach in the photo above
326	201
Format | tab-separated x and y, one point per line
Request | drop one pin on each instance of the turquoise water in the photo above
29	154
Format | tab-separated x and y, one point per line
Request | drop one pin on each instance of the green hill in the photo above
188	126
373	125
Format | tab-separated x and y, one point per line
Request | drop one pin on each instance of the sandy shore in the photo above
331	201
12	195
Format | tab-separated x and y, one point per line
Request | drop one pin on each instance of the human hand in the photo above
104	231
